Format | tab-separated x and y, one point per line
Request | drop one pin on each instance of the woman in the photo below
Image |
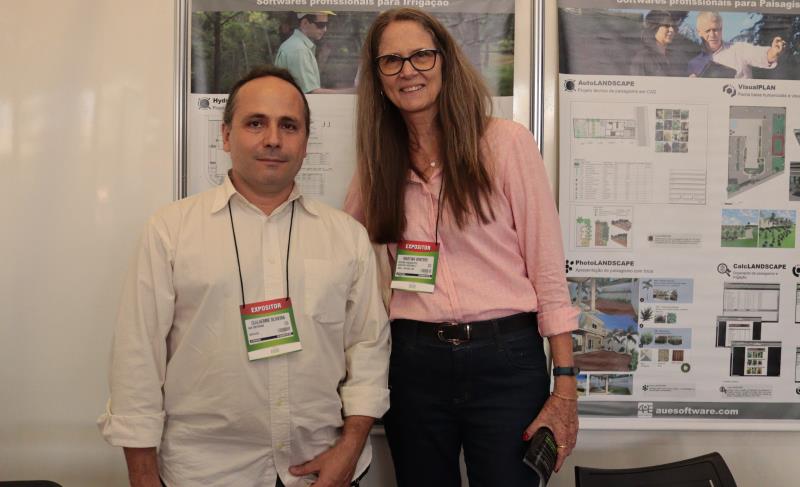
654	57
435	171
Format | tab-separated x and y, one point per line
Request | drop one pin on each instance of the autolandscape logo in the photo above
605	82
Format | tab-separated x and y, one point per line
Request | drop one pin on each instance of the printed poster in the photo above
230	37
679	178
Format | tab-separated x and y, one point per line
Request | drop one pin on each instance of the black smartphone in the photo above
541	454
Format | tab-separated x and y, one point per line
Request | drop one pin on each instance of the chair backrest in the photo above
29	483
704	471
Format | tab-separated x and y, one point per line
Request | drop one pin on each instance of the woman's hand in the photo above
561	416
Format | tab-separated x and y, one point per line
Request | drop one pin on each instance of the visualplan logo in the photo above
569	265
729	90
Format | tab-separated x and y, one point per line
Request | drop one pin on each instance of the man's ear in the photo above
226	136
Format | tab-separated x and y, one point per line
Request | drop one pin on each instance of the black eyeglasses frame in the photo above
436	53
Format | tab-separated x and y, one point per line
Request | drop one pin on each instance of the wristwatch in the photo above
570	371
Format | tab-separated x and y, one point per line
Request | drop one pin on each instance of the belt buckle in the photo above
453	341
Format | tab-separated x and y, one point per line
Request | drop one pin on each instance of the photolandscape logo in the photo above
571	264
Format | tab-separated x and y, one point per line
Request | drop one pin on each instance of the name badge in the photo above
415	268
269	328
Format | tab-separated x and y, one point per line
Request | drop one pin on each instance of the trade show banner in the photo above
229	37
679	149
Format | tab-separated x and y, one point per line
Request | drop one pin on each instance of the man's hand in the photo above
775	50
337	466
142	467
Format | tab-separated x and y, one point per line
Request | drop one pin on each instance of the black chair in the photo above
29	483
704	471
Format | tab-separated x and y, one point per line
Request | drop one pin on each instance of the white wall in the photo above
86	151
86	133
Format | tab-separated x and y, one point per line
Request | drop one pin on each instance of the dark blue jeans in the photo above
479	395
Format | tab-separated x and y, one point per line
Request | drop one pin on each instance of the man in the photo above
738	57
298	52
246	270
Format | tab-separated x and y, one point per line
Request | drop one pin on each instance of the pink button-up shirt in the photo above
510	265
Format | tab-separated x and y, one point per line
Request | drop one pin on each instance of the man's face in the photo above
267	137
711	33
315	26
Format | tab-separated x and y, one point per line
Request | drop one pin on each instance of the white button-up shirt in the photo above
180	376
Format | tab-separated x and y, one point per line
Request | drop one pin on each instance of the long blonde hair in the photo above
384	159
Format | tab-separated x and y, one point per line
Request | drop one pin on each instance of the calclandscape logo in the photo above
749	267
738	271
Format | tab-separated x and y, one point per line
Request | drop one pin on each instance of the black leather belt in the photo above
458	333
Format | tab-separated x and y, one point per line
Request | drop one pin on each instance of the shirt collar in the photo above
304	39
413	177
226	191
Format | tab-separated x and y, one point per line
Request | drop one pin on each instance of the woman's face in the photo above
412	91
664	34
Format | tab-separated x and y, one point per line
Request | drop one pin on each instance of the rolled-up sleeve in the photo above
134	414
365	392
527	189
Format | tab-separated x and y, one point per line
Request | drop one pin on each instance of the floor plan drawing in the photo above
604	128
755	146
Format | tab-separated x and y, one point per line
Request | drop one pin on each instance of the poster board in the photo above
223	39
679	211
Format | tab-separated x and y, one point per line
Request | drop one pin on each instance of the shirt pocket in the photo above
325	292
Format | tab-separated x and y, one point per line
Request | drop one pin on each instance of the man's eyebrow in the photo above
289	118
250	116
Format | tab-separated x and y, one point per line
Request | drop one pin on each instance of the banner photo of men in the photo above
319	43
707	44
679	162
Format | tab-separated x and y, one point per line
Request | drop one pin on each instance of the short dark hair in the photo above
656	18
265	71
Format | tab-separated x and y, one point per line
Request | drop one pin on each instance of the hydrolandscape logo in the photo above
729	90
569	85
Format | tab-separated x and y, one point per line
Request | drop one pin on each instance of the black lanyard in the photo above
236	247
438	211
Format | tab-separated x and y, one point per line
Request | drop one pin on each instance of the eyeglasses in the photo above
422	60
320	24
